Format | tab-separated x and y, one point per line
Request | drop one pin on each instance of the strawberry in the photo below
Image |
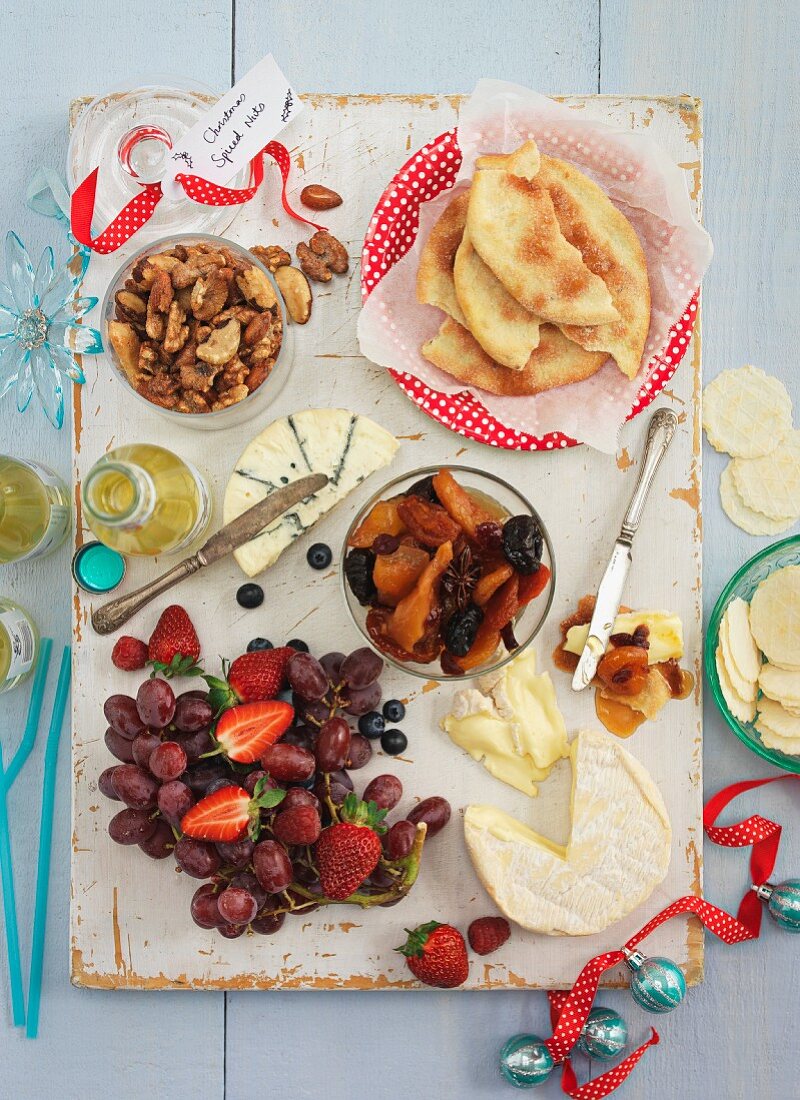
129	654
349	850
436	954
251	678
245	731
486	934
230	813
174	648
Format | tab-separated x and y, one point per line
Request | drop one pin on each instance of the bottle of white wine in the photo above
35	510
19	640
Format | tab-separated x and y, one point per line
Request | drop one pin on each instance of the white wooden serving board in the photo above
130	924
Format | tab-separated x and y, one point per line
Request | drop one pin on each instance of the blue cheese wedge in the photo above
345	446
618	851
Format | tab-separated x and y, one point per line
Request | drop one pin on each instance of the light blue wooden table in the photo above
736	1035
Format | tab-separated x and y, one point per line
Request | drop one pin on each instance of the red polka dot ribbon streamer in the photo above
141	207
764	836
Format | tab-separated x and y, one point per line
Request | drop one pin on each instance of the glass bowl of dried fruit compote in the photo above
448	572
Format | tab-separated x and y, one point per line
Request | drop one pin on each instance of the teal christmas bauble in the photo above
783	903
525	1061
657	984
604	1034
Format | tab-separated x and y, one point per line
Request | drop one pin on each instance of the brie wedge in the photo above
617	853
512	725
345	446
665	638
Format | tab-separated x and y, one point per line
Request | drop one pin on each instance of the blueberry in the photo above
258	643
393	710
394	742
250	595
371	724
298	644
319	556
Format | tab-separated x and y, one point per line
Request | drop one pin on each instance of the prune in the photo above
461	630
523	543
358	566
509	639
424	488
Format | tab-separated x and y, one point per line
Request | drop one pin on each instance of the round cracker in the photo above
789	745
780	721
780	684
754	523
775	617
746	412
746	689
740	641
771	484
740	708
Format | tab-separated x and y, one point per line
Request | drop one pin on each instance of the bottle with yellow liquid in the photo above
19	640
143	499
34	510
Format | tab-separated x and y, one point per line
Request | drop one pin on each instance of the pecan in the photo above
230	397
296	292
259	373
165	400
256	287
186	355
259	329
322	255
272	257
177	332
318	197
161	293
126	344
222	344
209	294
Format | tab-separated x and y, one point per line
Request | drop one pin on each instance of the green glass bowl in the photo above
744	584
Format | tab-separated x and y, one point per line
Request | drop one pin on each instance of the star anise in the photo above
460	577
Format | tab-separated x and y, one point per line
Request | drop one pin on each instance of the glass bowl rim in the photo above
169	241
782	761
428	673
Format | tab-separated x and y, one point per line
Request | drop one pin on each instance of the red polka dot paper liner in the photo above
142	206
621	163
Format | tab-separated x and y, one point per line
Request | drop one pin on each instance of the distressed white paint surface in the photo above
122	933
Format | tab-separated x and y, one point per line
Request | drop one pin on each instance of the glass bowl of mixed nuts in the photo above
196	326
448	572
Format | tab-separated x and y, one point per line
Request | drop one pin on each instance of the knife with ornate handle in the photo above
111	616
609	595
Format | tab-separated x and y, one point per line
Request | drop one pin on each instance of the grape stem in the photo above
410	866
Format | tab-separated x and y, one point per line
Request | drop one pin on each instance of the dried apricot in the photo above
383	519
624	669
396	574
427	648
532	585
462	507
428	523
489	583
409	619
499	611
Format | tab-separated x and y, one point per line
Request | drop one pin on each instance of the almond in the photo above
317	197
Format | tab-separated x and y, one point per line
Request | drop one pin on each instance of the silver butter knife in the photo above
609	595
111	616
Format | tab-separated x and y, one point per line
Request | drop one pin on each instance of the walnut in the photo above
148	359
192	402
243	314
209	294
230	397
256	287
232	374
260	353
126	344
165	401
177	332
161	295
272	257
322	255
186	355
296	292
222	344
195	375
184	296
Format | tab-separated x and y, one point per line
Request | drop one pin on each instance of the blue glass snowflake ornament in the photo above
39	330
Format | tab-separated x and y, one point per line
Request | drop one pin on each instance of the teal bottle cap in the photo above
97	568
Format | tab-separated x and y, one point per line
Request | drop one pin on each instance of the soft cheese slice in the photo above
618	851
512	725
666	633
345	446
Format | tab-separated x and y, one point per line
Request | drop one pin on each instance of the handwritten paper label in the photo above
239	124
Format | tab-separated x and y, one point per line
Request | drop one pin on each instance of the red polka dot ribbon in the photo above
764	836
141	207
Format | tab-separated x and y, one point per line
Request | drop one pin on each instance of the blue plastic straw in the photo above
34	713
10	908
45	844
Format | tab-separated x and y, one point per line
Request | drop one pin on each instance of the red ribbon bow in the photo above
141	207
